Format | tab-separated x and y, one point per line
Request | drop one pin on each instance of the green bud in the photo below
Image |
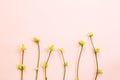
23	47
66	63
97	50
99	71
90	34
36	39
82	43
45	64
51	48
21	67
36	69
61	49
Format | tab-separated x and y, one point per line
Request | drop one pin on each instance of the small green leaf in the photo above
21	67
61	49
36	39
45	64
51	48
99	71
23	47
36	69
66	63
90	34
97	50
82	43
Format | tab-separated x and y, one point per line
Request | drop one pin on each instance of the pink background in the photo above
62	23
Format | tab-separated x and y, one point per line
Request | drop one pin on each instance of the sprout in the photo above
99	71
36	69
51	48
21	67
90	34
23	48
97	50
82	43
36	39
45	65
61	49
66	63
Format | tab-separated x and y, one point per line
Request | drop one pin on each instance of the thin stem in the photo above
45	74
96	66
46	64
38	61
64	66
36	75
96	74
48	56
21	74
64	73
22	64
79	62
92	43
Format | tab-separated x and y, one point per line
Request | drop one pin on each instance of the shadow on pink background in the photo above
62	23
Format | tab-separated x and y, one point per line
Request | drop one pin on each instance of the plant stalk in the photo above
79	62
38	61
96	58
64	66
47	63
22	64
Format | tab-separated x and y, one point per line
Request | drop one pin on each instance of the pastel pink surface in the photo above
62	23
